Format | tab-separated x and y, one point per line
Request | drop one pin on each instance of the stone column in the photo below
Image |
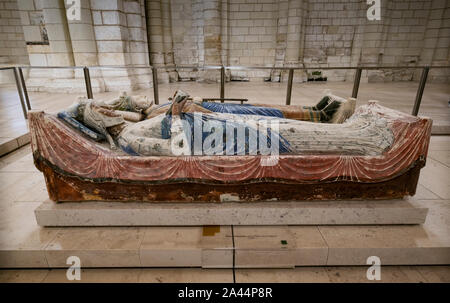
155	37
357	40
290	39
167	40
295	39
111	35
136	45
281	37
83	38
59	38
159	31
212	39
212	31
198	24
84	46
374	39
224	32
187	35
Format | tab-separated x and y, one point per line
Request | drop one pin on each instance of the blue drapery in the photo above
242	109
67	117
235	148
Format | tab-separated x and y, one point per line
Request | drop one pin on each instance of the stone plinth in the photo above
225	246
229	213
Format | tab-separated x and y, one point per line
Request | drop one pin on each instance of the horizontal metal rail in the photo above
51	67
22	91
231	67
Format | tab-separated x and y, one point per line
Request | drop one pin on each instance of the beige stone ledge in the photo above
231	213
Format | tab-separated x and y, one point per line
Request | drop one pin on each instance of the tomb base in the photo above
401	211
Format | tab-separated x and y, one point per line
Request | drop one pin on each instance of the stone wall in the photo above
109	33
312	33
273	33
121	39
253	36
413	33
12	43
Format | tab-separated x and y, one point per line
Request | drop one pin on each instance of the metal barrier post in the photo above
289	86
24	88
356	82
19	91
222	84
155	84
423	80
87	80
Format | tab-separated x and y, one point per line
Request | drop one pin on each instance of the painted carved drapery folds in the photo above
68	153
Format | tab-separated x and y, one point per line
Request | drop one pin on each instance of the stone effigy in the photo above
323	111
376	153
156	136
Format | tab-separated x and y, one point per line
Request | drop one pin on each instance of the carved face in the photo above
141	102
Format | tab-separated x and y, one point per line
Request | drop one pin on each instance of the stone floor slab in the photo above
23	275
185	275
435	274
434	176
350	274
22	242
96	247
295	275
388	274
187	247
264	246
394	245
100	275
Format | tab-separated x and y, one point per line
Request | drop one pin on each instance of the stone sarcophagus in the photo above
76	168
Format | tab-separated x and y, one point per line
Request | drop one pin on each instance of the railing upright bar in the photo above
356	83
420	89
24	88
155	84
19	91
222	83
87	80
289	86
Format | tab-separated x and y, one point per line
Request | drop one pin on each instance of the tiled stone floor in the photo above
22	188
399	96
389	274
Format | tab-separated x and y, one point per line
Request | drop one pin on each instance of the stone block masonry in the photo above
13	49
283	33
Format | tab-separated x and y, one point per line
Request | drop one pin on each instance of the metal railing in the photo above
21	88
25	101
